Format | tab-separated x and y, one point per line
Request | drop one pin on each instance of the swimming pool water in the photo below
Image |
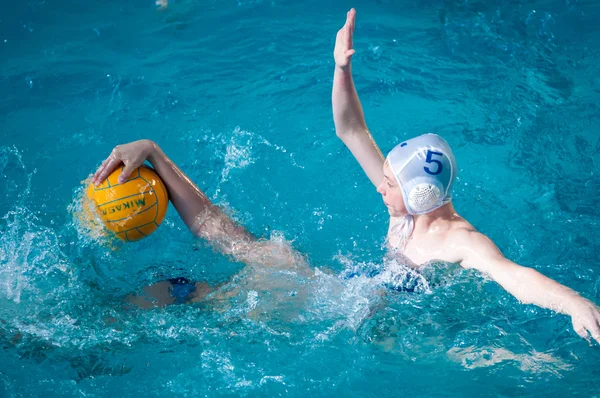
238	94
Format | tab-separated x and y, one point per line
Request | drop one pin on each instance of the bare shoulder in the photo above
463	233
457	228
472	247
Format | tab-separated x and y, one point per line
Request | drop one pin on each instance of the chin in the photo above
395	213
400	212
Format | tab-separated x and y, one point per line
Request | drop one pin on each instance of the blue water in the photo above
238	94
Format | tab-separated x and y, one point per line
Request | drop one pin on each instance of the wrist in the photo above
346	69
153	151
575	304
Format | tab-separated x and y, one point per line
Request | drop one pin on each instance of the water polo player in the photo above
424	225
415	182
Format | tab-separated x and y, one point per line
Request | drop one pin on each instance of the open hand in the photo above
132	155
343	50
586	318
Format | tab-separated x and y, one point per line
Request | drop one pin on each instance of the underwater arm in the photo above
528	285
350	125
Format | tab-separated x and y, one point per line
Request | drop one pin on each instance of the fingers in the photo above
580	330
351	19
595	330
349	27
100	169
347	36
583	334
350	53
591	324
110	166
127	170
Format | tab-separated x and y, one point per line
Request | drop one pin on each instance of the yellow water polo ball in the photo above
133	209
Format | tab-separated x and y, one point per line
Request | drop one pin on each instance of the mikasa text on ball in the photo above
133	209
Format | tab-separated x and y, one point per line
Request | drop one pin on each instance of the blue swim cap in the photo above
425	169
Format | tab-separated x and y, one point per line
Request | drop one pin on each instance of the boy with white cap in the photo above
415	181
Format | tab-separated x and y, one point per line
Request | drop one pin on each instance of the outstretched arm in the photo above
202	217
348	115
528	285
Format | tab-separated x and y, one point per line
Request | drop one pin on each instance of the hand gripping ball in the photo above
134	209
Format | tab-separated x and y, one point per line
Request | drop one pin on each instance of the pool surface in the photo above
238	94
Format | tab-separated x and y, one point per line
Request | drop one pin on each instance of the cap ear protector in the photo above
422	195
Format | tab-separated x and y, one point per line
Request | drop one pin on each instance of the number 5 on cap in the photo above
430	159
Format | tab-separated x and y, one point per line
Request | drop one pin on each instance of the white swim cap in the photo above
425	169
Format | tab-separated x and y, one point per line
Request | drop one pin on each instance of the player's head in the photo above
418	176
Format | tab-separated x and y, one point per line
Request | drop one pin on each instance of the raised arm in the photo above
528	285
348	115
202	217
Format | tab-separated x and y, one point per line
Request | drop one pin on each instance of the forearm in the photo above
531	287
526	284
350	125
347	110
201	216
208	221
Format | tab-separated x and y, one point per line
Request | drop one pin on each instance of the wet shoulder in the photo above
459	230
456	230
460	225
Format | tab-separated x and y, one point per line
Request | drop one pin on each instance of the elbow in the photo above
343	134
340	134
